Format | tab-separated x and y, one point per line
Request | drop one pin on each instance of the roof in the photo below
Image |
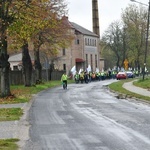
15	57
18	57
83	30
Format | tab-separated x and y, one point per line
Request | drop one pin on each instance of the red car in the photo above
121	75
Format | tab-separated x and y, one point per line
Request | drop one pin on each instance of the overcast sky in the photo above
80	12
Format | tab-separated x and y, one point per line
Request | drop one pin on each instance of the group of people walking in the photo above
85	77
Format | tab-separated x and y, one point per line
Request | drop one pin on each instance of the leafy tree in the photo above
29	21
8	10
135	19
127	40
20	31
39	23
53	35
113	38
108	54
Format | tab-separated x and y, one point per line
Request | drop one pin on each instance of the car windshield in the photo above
129	72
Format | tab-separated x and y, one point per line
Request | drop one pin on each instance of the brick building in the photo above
83	51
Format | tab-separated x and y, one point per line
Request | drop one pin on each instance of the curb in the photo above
126	96
24	125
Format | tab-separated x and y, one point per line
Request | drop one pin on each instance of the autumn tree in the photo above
20	32
8	10
54	35
5	20
40	23
29	21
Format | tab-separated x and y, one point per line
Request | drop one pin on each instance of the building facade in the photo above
83	51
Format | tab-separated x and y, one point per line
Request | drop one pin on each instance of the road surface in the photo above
87	117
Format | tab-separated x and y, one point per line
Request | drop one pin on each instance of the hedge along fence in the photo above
16	77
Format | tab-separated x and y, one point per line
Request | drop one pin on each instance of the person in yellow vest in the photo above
76	77
64	79
90	76
93	76
98	76
102	75
82	77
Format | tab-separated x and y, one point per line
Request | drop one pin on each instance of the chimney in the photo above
95	17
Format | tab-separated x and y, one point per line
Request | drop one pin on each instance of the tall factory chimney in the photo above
95	17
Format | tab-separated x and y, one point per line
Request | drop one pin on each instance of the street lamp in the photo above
138	2
147	34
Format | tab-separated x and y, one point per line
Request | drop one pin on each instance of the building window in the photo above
95	43
77	41
96	61
15	67
64	51
85	41
90	42
91	62
64	66
86	60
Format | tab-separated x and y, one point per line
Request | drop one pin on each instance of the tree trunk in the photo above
51	68
117	62
38	66
27	65
5	67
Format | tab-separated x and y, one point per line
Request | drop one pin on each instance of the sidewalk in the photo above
8	129
130	87
16	129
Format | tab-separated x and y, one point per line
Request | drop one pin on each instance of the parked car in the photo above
130	74
121	75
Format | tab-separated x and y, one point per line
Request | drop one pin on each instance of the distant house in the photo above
15	61
83	51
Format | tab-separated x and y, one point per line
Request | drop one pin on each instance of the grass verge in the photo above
117	87
143	83
8	144
22	94
10	114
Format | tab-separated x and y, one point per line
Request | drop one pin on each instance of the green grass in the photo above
9	114
117	87
8	144
143	83
22	94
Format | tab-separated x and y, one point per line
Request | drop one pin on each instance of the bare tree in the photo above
113	37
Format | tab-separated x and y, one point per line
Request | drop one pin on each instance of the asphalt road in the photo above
87	117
